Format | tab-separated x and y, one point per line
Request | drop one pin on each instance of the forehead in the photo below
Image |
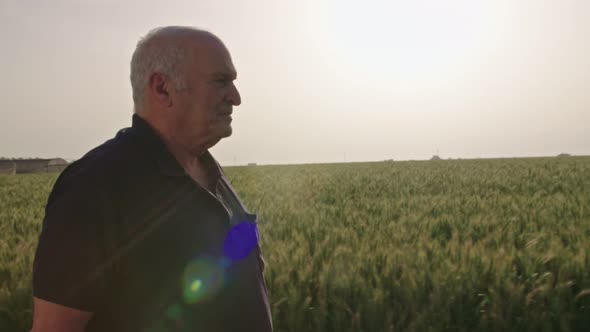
209	56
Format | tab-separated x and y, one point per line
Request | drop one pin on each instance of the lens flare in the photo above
174	313
202	279
196	285
240	241
225	262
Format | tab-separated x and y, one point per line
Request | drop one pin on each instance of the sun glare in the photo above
414	41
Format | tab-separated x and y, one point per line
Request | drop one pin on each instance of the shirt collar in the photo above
165	160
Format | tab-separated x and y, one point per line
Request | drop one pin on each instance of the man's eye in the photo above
221	81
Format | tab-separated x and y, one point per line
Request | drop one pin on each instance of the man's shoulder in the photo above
107	163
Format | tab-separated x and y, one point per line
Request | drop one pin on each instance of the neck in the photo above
189	160
187	156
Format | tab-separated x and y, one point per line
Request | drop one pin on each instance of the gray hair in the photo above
164	57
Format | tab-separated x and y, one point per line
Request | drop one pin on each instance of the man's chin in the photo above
225	132
228	131
220	132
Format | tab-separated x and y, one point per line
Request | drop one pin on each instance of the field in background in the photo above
465	245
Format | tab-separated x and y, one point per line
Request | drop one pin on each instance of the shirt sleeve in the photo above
69	266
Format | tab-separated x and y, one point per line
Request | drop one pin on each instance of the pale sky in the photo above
321	80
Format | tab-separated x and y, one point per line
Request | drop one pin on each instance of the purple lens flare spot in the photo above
241	240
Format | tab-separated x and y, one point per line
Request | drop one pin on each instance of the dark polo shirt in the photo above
130	236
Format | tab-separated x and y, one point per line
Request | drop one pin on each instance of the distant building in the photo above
22	166
564	155
8	168
251	164
435	157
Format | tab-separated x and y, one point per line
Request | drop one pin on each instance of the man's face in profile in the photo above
206	105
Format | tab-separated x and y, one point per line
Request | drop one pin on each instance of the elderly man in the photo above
145	233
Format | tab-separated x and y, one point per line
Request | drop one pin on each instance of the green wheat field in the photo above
450	245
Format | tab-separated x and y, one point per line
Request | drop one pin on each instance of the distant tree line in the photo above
5	158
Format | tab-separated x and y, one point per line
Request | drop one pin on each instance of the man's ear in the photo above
159	89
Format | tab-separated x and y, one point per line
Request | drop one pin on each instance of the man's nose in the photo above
234	96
